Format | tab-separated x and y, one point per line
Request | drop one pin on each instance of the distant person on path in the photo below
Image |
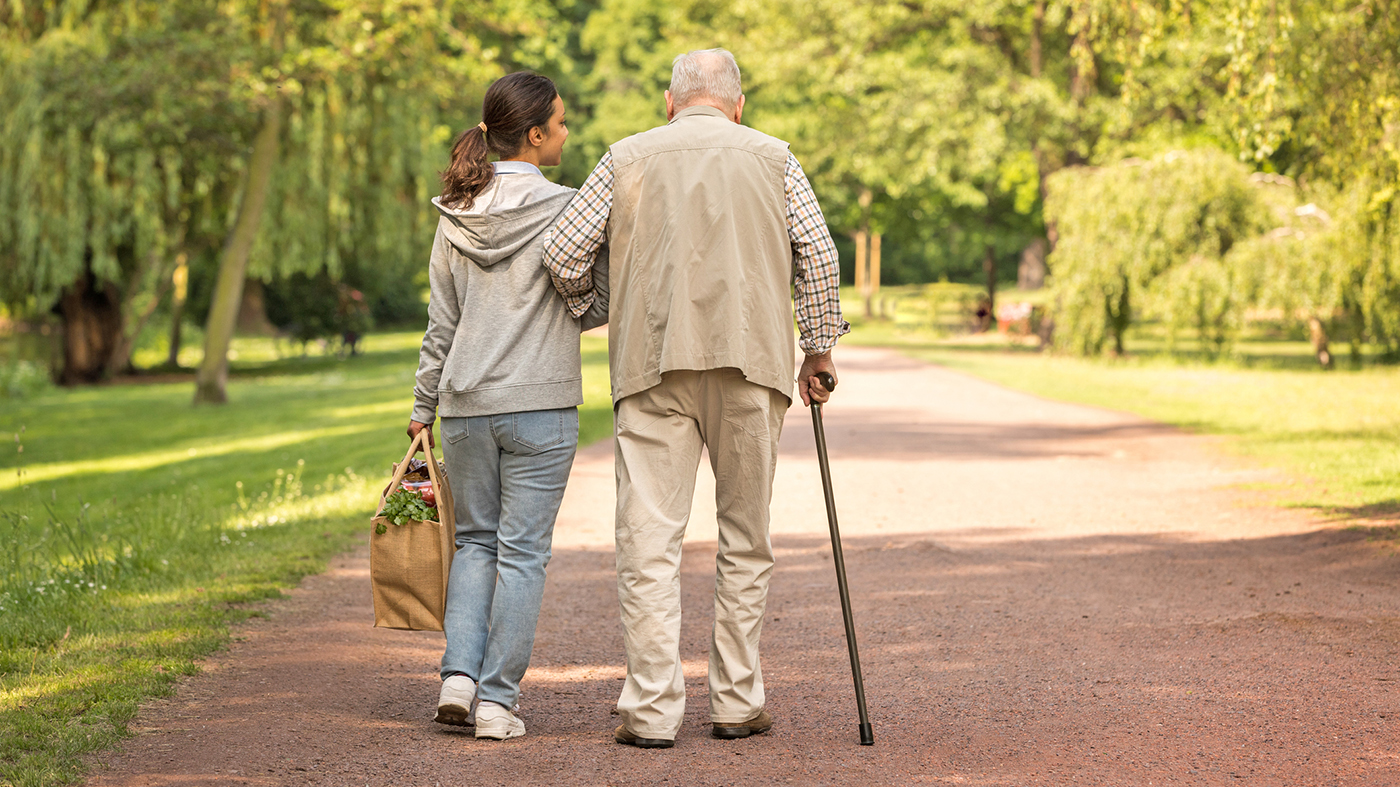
713	231
500	364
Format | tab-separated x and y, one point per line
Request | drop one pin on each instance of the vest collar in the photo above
700	109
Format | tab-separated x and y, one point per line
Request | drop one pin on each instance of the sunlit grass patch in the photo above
106	606
154	459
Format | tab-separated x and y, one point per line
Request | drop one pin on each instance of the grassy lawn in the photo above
135	528
1336	433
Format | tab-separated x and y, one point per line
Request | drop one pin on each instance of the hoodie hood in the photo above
499	337
494	235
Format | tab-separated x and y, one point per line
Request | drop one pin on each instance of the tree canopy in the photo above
129	144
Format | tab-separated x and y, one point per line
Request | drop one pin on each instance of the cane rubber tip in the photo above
828	382
867	735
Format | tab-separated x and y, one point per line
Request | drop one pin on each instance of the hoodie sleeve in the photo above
444	311
597	313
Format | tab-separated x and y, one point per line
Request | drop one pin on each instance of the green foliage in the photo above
1317	266
1303	88
403	506
106	161
372	107
21	379
308	308
127	127
1150	236
913	119
936	124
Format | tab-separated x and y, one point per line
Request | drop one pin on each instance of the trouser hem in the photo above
506	703
661	736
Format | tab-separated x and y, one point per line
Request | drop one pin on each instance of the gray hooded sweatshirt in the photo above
499	338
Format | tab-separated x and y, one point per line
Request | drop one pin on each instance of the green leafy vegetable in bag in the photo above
404	506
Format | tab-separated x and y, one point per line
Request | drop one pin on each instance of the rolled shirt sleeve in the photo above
571	249
816	266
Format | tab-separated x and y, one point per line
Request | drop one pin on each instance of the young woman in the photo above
500	366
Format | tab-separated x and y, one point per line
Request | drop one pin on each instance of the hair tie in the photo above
482	126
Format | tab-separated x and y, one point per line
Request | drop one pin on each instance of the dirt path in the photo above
1045	594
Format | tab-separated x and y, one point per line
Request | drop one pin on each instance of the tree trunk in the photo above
252	312
181	280
862	271
1082	78
1083	69
1037	27
1119	319
1035	275
92	327
862	255
1030	274
120	360
1318	334
874	282
211	381
989	267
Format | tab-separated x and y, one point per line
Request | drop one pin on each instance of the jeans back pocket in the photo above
453	429
540	429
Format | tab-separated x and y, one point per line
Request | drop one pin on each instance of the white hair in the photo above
705	75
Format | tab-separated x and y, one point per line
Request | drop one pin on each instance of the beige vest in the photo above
701	264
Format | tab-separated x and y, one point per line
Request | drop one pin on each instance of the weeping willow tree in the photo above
361	107
1150	236
255	136
1342	61
360	155
1324	266
119	116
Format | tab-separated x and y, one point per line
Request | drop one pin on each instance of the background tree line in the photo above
1188	160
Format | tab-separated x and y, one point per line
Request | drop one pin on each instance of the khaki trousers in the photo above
660	433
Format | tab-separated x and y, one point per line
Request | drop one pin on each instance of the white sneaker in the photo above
457	702
496	722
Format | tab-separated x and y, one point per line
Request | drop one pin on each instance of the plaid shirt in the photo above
572	246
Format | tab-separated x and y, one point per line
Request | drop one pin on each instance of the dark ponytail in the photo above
514	104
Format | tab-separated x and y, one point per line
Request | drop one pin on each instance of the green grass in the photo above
1336	434
135	528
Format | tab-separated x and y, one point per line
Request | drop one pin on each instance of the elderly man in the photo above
713	232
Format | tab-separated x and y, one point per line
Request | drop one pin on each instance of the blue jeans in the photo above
507	474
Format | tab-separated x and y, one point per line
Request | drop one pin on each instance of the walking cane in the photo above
867	735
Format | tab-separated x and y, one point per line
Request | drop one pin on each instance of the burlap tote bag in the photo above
408	563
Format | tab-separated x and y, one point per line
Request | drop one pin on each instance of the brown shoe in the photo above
624	735
743	729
